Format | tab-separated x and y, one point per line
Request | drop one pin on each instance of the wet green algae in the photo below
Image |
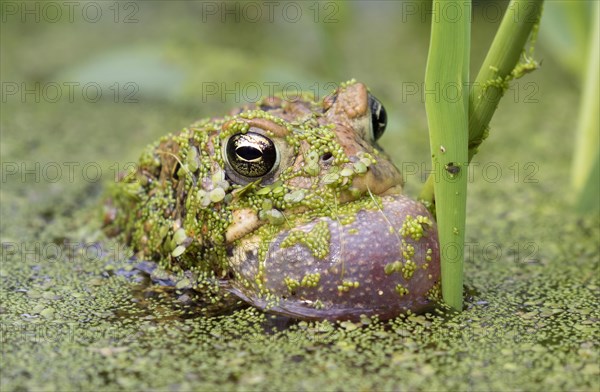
531	321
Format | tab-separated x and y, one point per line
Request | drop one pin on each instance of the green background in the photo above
531	270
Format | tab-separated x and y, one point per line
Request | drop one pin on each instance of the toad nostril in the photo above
327	157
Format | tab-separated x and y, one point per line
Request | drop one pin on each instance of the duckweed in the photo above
530	321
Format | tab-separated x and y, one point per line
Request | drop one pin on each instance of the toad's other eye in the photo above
378	117
251	154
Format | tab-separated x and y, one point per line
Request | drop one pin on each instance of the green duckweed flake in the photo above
308	280
292	284
414	227
318	304
408	269
179	237
408	251
347	286
401	290
316	240
390	268
295	196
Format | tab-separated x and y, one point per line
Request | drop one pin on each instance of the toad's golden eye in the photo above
251	154
378	117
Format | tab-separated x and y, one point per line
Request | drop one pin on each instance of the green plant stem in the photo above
448	66
586	143
499	66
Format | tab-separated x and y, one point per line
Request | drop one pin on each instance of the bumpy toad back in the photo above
290	206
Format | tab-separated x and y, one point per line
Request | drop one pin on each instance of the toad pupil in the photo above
291	207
